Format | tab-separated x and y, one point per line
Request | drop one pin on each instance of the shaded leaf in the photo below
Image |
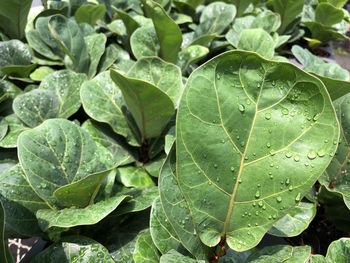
14	53
96	47
131	176
15	128
328	15
90	13
145	250
5	255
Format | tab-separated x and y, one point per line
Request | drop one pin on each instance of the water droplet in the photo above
279	199
273	83
287	181
316	116
285	111
298	197
321	153
257	194
215	165
232	169
241	108
312	155
268	145
296	158
289	154
267	116
290	188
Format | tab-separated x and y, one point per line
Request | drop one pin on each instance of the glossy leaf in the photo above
131	176
90	13
70	217
5	255
14	53
257	40
144	42
40	73
15	128
190	55
264	97
335	78
281	253
20	203
168	32
13	17
75	48
339	251
336	177
102	100
96	47
154	70
56	153
328	15
145	250
162	232
288	10
36	106
296	221
74	249
324	33
103	135
151	116
177	210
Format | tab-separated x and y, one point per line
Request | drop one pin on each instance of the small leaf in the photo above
145	250
74	249
131	176
90	14
144	42
328	15
40	73
168	32
339	251
151	116
130	24
96	47
15	128
70	217
190	55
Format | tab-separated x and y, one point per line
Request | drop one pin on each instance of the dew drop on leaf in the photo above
296	158
241	108
257	194
312	155
298	197
267	116
289	154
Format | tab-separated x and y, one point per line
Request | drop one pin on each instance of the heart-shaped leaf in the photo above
285	117
56	153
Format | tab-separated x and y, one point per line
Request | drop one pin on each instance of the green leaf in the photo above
336	3
165	76
280	254
190	55
14	53
70	39
15	128
162	232
214	20
80	193
296	221
145	250
323	33
36	106
112	53
339	251
274	139
40	73
132	176
175	257
328	15
66	86
267	20
241	5
177	210
130	24
151	116
90	14
20	203
336	176
70	217
5	255
96	47
335	78
13	17
56	153
168	32
257	40
103	101
103	135
144	42
289	10
74	249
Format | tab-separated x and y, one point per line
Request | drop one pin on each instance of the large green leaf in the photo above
296	221
151	116
70	39
328	15
162	232
335	78
56	153
257	40
36	106
144	42
337	175
145	250
20	203
103	101
13	17
66	86
5	255
177	211
74	249
104	135
70	217
285	116
90	13
168	32
163	75
289	10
